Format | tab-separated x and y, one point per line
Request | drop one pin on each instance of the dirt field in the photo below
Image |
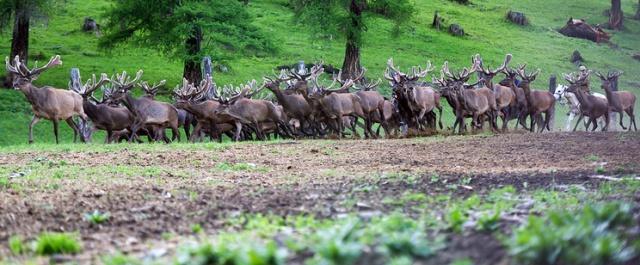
150	193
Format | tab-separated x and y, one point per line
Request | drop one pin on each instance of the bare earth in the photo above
170	191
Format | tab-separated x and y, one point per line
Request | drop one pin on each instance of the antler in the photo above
91	84
420	73
124	81
151	90
20	69
370	86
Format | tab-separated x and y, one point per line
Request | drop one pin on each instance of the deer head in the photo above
23	75
610	79
486	73
122	83
526	78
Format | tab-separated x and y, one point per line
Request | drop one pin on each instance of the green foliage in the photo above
37	9
196	228
57	243
595	235
96	217
350	18
455	218
230	252
338	244
119	259
225	25
488	221
16	245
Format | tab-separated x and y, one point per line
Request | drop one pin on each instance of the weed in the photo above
488	221
593	235
455	219
96	217
600	169
57	243
196	228
434	178
592	158
338	245
16	245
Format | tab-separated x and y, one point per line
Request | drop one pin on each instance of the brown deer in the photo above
370	100
538	101
505	96
47	102
478	102
193	99
185	119
619	101
252	112
415	100
146	112
103	116
520	109
590	105
294	105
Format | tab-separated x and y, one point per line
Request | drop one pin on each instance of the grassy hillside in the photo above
490	34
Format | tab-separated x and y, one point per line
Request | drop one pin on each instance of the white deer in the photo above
563	96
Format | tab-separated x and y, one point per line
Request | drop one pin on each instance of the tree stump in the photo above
637	16
576	58
90	25
456	30
518	18
616	17
636	56
438	21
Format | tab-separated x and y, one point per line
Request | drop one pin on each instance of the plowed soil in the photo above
187	187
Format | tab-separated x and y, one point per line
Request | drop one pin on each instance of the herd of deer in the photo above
307	107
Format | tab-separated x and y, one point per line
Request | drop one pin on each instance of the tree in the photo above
19	14
637	16
186	29
349	18
616	16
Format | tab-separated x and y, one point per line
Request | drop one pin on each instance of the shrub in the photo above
594	235
57	243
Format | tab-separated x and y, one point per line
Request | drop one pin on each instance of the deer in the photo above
591	106
478	102
414	99
185	119
146	112
334	104
370	100
505	96
538	101
293	104
252	112
103	116
619	101
47	102
564	97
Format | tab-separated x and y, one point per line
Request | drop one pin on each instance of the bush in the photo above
57	243
593	236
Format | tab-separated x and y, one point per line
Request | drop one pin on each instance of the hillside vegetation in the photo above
538	44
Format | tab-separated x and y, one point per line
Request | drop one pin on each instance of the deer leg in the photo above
632	118
196	132
55	129
134	130
621	124
33	122
578	122
75	129
439	116
606	122
236	137
175	133
107	140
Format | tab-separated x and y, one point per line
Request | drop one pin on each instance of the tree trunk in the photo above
351	65
20	39
616	18
637	16
192	71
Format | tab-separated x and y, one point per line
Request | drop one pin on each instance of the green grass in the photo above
57	243
539	45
